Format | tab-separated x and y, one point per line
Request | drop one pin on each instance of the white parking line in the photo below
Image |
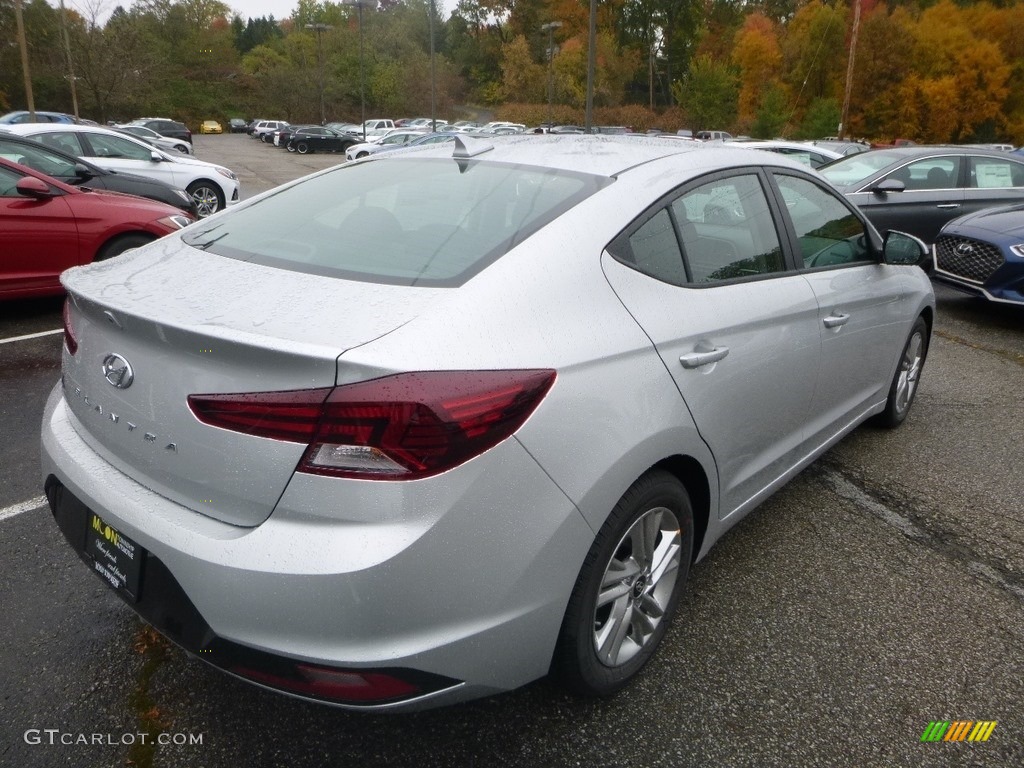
25	506
31	336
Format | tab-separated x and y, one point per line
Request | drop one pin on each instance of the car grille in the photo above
970	259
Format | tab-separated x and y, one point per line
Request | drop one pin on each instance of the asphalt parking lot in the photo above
881	590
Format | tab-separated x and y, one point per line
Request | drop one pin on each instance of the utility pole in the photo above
849	71
24	61
433	87
591	65
550	28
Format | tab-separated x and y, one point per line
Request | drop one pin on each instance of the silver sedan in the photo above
390	450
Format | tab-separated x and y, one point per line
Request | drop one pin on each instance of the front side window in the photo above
996	173
930	173
829	233
116	147
9	183
727	230
38	159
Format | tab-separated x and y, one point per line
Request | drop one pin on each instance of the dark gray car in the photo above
80	173
918	189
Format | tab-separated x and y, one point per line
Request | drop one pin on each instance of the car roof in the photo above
596	154
937	149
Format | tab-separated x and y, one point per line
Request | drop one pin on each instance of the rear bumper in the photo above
458	585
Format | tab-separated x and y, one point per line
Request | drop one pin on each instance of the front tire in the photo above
907	378
628	588
207	197
123	243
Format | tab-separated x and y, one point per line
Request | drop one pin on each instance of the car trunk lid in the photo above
192	323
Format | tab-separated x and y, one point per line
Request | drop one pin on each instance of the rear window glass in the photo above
428	221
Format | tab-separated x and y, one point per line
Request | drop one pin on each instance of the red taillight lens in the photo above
291	416
69	333
335	684
400	427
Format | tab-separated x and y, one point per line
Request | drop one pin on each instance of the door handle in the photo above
836	320
948	205
697	359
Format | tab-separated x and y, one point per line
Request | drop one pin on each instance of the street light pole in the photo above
320	29
67	51
362	76
550	28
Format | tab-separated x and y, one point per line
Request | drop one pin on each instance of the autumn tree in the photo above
758	57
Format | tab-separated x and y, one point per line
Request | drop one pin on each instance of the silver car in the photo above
391	451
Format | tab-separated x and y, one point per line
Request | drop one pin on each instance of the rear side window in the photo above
996	173
727	230
422	221
654	249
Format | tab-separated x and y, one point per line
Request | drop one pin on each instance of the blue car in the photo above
983	253
23	116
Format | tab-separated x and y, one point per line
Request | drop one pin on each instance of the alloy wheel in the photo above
637	586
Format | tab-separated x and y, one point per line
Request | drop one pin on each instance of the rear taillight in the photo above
400	427
69	333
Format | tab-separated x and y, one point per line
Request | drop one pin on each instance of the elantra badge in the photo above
118	371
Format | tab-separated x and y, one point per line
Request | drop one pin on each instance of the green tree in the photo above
708	93
772	114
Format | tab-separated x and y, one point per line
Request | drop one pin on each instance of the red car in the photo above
47	226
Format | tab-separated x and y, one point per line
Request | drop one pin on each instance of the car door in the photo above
705	276
932	195
40	238
119	153
861	317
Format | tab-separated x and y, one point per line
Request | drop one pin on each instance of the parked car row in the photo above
49	226
211	187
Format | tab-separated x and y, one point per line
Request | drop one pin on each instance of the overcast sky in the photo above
279	9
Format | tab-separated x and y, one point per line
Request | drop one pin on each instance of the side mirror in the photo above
889	185
83	172
30	186
156	157
901	248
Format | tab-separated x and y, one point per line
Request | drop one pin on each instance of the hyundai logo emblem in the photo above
965	249
118	371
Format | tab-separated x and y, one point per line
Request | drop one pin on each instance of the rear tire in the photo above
302	148
906	379
628	587
119	245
